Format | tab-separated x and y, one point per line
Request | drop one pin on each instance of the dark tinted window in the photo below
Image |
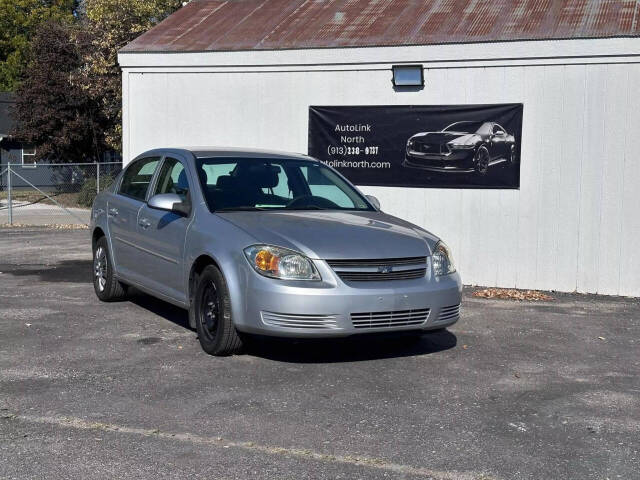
136	179
465	127
172	179
275	184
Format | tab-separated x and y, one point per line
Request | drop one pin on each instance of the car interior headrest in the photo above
260	175
224	181
182	180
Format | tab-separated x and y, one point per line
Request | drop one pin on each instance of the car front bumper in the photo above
457	161
333	308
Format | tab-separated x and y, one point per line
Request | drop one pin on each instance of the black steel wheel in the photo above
209	311
482	160
212	312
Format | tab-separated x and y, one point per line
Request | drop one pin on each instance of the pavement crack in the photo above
217	441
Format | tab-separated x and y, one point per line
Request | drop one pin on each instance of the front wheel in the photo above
482	160
212	312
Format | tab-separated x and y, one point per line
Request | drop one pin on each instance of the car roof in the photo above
208	152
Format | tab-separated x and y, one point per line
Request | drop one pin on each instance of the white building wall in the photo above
574	225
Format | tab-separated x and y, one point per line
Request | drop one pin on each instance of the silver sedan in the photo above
261	242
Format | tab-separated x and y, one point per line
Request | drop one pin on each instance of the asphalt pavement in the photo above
41	214
515	390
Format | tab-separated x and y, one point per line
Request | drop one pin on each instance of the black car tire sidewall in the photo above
482	149
113	289
227	340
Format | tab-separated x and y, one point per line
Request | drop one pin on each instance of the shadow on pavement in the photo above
71	271
170	312
351	349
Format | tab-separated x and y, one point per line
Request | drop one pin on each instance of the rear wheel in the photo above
482	160
512	155
212	312
105	284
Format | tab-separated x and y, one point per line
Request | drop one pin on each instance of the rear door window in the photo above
137	178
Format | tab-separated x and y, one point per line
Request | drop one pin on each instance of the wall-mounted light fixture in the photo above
408	76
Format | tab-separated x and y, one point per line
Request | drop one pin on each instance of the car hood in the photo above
336	235
438	137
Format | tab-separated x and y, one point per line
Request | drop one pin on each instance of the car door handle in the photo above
113	212
144	223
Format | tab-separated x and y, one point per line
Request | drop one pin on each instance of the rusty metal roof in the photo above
216	25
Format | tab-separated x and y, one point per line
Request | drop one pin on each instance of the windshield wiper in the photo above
243	208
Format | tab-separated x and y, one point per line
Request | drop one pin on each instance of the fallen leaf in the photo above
513	294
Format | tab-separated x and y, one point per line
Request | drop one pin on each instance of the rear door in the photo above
122	216
162	234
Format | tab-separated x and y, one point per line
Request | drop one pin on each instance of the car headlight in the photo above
277	262
442	260
461	146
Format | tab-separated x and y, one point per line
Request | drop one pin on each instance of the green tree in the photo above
19	20
52	110
112	24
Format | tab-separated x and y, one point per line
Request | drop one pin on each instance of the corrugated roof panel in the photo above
627	14
210	25
571	17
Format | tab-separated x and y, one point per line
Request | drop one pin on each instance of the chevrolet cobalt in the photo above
260	242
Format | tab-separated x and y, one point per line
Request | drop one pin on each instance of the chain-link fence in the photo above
52	193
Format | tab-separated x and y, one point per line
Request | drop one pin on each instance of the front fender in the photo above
223	242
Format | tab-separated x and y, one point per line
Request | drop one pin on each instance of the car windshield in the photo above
466	127
274	184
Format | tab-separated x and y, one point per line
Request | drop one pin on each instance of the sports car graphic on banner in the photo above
461	147
451	146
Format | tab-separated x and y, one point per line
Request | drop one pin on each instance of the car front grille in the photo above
291	320
449	313
389	319
433	148
379	269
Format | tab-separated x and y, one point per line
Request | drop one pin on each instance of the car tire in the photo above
512	155
105	283
482	160
212	310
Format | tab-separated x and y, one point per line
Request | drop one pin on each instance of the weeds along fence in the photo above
52	193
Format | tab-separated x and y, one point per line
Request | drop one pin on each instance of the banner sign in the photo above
450	146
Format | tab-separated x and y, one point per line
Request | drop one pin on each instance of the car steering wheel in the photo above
311	201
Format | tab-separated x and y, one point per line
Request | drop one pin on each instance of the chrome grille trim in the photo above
377	276
368	270
377	262
292	320
449	313
390	319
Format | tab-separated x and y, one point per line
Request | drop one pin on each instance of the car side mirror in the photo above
171	203
373	201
